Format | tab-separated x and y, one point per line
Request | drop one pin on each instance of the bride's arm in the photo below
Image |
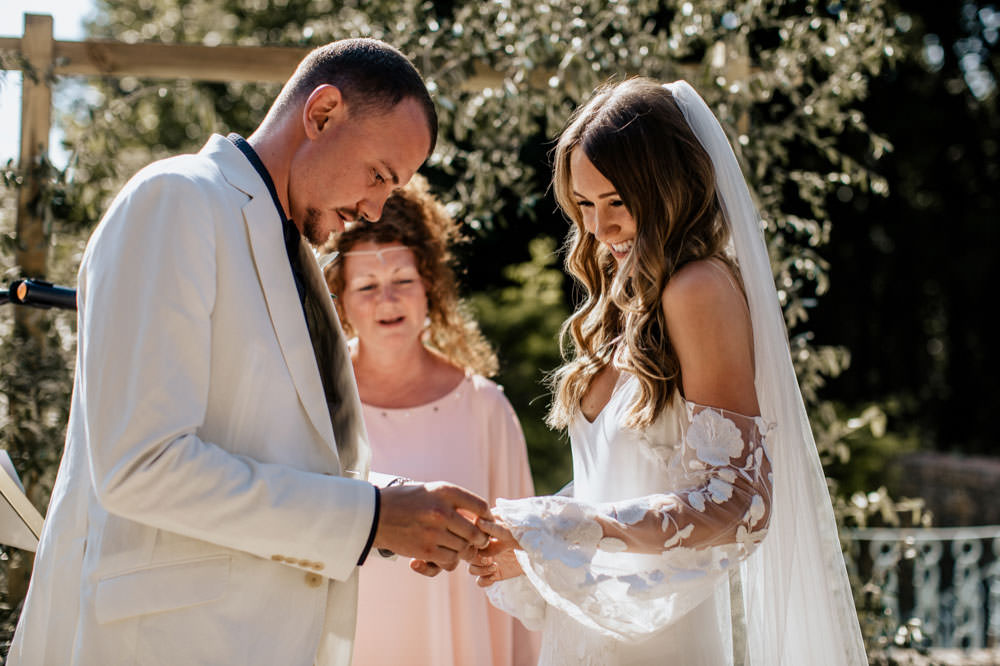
727	503
563	552
712	517
730	506
726	499
723	450
708	322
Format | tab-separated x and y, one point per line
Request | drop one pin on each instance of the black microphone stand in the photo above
39	294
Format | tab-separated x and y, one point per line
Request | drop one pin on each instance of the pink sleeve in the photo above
510	475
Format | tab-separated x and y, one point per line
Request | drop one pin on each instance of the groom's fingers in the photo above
492	528
466	508
456	544
469	553
460	498
425	568
433	522
445	558
470	509
467	532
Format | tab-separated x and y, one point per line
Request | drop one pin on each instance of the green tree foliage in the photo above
786	77
36	356
522	319
911	272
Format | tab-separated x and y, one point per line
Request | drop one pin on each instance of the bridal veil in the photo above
797	600
788	600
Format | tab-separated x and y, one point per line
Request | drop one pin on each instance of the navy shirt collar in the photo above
290	232
261	170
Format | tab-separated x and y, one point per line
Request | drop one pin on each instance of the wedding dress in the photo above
706	539
606	601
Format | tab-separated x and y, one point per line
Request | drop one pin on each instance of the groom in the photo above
213	504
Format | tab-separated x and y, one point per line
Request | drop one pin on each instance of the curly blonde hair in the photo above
634	133
413	217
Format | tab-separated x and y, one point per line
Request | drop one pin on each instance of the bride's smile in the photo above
604	214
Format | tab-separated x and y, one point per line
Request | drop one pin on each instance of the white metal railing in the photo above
947	577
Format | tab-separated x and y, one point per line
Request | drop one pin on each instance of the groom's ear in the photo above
323	110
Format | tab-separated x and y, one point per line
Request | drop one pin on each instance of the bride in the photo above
698	530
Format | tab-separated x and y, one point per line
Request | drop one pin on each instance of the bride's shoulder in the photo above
700	284
708	323
703	290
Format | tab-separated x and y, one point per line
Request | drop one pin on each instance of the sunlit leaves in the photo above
784	77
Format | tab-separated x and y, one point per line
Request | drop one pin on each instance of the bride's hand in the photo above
496	561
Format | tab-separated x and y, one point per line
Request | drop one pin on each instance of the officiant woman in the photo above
422	365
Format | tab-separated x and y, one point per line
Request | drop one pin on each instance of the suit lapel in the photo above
278	286
336	369
276	282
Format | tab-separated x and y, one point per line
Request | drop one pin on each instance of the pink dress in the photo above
470	437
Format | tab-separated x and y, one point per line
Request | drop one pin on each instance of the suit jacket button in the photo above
313	579
278	558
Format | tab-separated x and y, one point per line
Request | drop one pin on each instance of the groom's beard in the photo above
311	228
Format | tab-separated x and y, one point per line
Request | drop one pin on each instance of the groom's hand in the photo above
426	522
472	554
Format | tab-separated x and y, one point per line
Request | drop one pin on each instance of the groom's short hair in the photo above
372	76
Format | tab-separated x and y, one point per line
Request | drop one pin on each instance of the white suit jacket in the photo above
202	513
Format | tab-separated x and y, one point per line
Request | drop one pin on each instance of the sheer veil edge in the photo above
797	599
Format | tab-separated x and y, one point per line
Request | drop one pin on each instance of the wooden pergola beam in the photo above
47	57
95	57
225	64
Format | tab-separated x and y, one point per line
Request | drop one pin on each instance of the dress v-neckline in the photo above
619	382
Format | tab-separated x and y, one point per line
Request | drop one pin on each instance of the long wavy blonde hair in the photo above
636	136
413	217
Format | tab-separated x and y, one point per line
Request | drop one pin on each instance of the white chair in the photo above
20	521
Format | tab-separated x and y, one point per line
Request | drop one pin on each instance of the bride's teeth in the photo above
621	248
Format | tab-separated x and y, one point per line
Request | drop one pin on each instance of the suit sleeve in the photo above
148	286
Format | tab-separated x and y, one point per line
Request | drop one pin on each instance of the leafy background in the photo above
868	131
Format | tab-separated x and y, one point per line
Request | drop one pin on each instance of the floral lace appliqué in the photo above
625	568
715	439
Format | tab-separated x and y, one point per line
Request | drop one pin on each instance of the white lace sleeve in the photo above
629	568
517	596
